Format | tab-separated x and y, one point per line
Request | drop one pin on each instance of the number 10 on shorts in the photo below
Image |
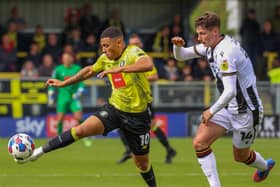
145	139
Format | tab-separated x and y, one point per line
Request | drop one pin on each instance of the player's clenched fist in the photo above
178	41
54	82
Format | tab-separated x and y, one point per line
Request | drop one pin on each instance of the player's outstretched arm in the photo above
186	53
143	64
83	74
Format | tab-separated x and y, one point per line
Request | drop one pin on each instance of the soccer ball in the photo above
21	146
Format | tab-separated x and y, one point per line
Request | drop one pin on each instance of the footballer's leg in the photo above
254	159
204	138
62	108
90	127
136	130
60	117
76	109
171	153
140	146
146	170
245	127
127	153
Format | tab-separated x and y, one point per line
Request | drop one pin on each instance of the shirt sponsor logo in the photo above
118	80
224	65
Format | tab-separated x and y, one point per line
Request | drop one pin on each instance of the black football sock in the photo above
162	138
149	177
66	138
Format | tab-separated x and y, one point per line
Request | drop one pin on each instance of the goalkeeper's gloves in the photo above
50	97
78	94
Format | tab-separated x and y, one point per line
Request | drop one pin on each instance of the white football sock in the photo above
259	162
208	165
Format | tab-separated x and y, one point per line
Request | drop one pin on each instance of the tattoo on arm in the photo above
83	74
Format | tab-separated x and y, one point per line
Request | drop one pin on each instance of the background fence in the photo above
178	105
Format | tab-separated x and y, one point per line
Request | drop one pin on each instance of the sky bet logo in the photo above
33	126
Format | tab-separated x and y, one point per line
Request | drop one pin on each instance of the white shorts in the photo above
244	126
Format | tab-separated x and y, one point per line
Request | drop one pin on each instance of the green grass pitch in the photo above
80	166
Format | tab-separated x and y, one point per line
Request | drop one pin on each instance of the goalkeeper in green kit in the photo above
68	98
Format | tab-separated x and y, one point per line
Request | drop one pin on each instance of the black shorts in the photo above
135	126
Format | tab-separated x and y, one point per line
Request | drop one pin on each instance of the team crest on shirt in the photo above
122	63
224	65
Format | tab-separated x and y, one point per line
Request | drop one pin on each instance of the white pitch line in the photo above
123	175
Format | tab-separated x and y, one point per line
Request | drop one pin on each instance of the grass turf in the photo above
80	166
